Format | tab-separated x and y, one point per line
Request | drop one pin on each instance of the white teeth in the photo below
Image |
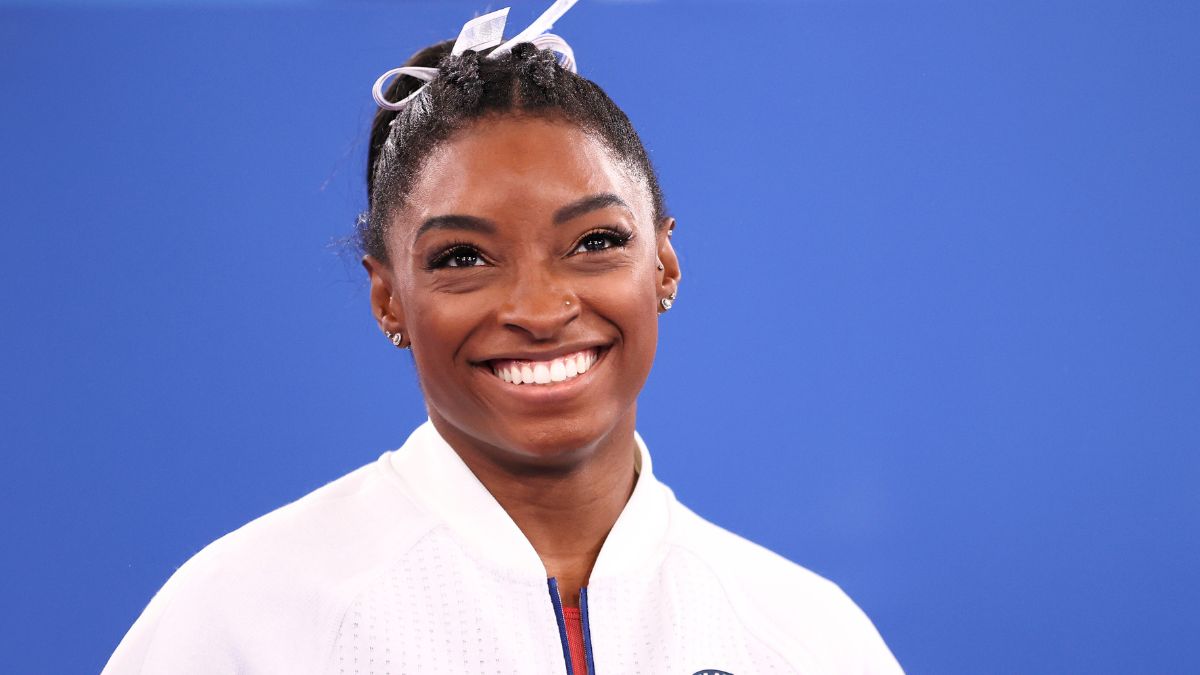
545	372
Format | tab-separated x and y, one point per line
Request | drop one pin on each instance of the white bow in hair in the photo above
481	33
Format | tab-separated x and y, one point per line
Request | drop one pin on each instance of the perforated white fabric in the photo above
408	565
435	611
684	622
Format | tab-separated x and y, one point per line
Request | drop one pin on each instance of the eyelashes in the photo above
461	253
455	252
616	238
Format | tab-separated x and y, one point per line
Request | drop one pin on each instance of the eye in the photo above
459	255
602	240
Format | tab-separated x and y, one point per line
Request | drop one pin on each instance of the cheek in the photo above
628	302
439	328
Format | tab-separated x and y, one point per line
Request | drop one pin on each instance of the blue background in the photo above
937	336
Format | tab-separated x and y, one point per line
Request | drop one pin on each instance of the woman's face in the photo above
527	251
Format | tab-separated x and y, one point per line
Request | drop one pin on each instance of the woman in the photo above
516	242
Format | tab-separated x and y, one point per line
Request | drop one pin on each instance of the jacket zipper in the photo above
556	600
587	631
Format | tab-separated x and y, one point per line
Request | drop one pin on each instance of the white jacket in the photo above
409	565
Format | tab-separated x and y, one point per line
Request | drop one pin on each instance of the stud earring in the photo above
668	301
396	338
660	267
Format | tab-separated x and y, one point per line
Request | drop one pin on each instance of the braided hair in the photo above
526	81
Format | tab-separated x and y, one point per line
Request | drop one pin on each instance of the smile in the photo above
541	373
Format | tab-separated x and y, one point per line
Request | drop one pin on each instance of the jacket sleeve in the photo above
870	654
181	631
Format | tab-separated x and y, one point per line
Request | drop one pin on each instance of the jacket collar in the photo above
439	479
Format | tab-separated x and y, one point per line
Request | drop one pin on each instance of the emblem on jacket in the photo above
711	672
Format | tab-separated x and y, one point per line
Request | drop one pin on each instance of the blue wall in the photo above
937	337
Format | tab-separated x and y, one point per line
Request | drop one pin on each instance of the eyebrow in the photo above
566	213
587	205
455	222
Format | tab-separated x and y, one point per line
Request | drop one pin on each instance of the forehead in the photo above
520	169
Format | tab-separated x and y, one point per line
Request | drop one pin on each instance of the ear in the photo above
668	278
385	302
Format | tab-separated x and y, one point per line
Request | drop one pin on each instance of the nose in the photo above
538	304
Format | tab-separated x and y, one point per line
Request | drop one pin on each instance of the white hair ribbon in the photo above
540	25
484	32
481	32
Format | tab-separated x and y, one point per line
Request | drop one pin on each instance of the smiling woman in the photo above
517	242
525	240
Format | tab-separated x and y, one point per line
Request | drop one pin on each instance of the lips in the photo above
548	371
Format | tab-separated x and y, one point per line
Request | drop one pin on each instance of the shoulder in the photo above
275	588
799	613
342	529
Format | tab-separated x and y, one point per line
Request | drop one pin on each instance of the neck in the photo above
565	512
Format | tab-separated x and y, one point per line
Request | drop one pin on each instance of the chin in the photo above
555	441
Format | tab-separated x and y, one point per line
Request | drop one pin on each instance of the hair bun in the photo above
523	51
461	73
543	68
540	69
